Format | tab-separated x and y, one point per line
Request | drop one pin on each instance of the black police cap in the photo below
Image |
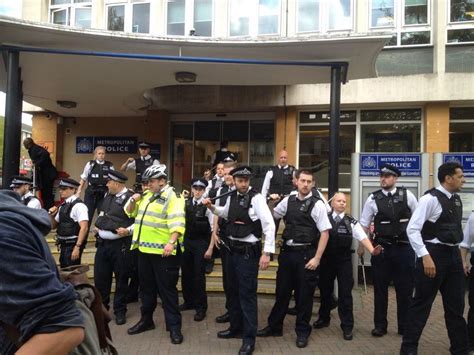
117	176
144	145
390	169
241	171
68	182
199	183
19	180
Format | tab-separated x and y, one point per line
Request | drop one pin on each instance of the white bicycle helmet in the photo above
155	172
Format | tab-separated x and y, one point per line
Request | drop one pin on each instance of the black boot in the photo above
144	324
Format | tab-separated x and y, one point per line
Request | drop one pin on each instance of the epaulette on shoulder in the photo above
377	194
351	219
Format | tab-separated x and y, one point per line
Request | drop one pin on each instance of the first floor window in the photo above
76	13
128	15
189	17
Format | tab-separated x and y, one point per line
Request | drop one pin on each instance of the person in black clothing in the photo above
435	233
95	176
48	321
72	222
198	247
114	237
45	171
223	155
140	164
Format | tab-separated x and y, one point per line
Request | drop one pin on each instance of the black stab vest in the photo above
197	223
281	182
221	202
112	214
214	187
239	223
140	167
67	227
340	235
299	225
98	173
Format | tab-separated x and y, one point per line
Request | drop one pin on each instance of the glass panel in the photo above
268	16
383	13
239	17
262	147
83	18
176	10
461	113
340	15
207	141
203	17
60	17
237	134
314	153
394	62
411	38
182	153
391	115
397	137
461	137
116	18
81	1
141	18
462	10
416	12
325	117
308	15
60	2
460	59
459	36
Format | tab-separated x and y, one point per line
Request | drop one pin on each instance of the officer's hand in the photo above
429	266
264	261
137	197
312	264
168	250
360	250
207	202
123	232
185	193
129	160
216	239
466	267
53	210
275	197
377	250
208	253
75	253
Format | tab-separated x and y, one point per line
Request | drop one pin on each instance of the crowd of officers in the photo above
144	238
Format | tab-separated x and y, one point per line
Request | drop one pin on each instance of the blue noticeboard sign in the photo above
408	164
113	145
466	160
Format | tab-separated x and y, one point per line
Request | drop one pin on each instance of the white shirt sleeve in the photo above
266	183
79	212
222	211
368	212
210	218
260	208
320	216
358	232
326	203
468	239
132	165
34	203
86	171
280	210
426	210
411	201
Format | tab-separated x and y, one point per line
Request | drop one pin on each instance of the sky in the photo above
25	118
10	8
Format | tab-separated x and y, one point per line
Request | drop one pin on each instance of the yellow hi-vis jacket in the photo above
156	221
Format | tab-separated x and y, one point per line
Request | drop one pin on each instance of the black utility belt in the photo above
100	240
391	241
241	247
442	245
64	241
287	247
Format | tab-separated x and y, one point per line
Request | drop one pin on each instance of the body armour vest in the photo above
112	214
140	167
98	173
448	227
197	223
67	227
392	216
239	223
299	225
340	235
282	180
215	185
27	200
221	202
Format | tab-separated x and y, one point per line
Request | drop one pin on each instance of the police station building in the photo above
409	83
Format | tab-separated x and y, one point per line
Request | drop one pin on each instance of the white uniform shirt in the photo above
111	235
209	215
357	230
78	213
318	213
267	180
370	207
429	209
133	165
34	202
258	210
88	167
468	239
209	185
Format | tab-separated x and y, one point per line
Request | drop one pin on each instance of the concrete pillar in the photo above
286	131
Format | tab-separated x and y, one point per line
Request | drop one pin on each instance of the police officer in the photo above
337	262
216	182
22	185
305	238
435	232
94	174
223	155
140	164
114	237
158	235
197	248
72	222
390	208
466	250
247	217
278	179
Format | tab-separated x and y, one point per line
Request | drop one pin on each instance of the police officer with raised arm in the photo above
114	237
140	164
22	185
305	238
390	208
435	232
248	218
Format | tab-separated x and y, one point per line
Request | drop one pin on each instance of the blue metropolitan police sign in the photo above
408	164
113	145
465	159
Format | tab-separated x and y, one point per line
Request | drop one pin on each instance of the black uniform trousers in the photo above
396	263
65	252
112	259
93	198
224	254
292	273
337	263
160	275
134	283
242	271
470	314
450	281
193	273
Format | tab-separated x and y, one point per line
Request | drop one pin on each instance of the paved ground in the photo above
200	338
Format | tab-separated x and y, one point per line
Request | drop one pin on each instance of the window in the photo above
254	17
189	17
75	13
128	16
461	21
461	10
461	129
409	20
324	15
